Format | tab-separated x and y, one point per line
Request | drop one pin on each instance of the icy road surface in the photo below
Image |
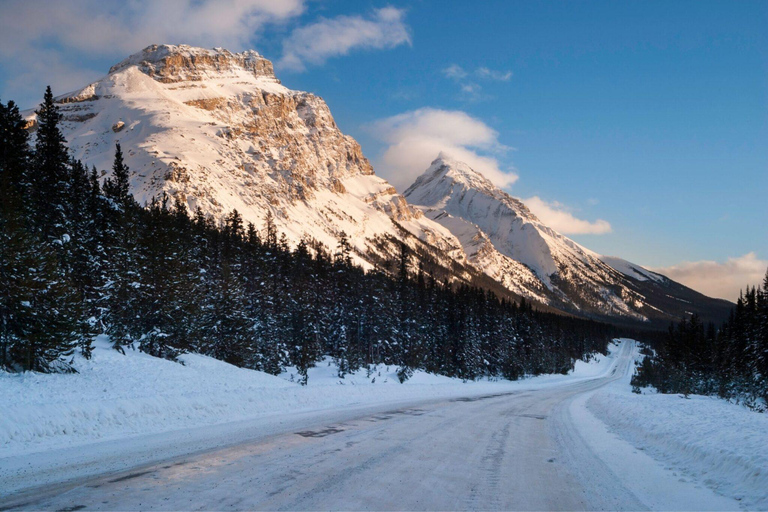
533	450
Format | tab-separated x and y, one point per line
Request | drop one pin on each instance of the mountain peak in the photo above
445	167
175	63
444	160
214	129
447	177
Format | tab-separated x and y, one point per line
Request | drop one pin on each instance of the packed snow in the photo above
701	439
123	410
116	395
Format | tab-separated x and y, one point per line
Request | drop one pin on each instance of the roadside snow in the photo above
700	439
117	396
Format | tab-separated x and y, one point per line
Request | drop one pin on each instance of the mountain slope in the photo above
217	130
505	240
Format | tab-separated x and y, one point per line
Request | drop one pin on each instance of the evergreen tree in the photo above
117	188
15	155
37	325
120	239
50	181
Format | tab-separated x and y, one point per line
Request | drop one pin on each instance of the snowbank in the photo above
117	396
722	445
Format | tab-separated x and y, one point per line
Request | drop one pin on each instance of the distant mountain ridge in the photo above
503	238
218	131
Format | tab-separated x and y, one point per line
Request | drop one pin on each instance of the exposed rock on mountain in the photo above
506	241
218	130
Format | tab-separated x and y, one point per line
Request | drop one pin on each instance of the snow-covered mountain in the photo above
218	130
506	241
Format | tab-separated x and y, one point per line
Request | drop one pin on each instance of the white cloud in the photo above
716	279
34	33
317	42
470	88
416	138
99	27
558	217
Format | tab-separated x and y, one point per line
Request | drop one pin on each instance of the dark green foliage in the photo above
730	362
50	184
38	308
117	188
40	311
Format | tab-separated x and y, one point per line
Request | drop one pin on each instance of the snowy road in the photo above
518	450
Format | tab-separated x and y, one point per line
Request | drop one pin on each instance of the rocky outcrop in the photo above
171	63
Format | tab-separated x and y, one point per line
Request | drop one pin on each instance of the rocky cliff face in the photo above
218	130
171	64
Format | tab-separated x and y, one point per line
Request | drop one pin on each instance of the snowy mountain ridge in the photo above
218	131
503	238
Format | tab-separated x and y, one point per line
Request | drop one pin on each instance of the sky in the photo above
639	129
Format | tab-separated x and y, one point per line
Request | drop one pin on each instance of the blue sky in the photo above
638	128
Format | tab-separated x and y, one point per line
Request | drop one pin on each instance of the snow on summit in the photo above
219	131
517	248
503	238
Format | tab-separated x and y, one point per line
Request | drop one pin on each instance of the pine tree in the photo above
404	327
38	310
37	327
82	256
117	188
760	348
15	155
120	239
50	182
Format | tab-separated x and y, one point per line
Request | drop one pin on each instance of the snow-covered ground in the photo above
127	411
700	439
115	396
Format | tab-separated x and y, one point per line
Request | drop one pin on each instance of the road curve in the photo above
514	451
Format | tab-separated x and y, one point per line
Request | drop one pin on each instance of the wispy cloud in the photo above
492	74
468	80
455	72
416	138
45	49
560	218
719	279
319	41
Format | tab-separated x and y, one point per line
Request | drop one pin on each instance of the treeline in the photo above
79	258
730	362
